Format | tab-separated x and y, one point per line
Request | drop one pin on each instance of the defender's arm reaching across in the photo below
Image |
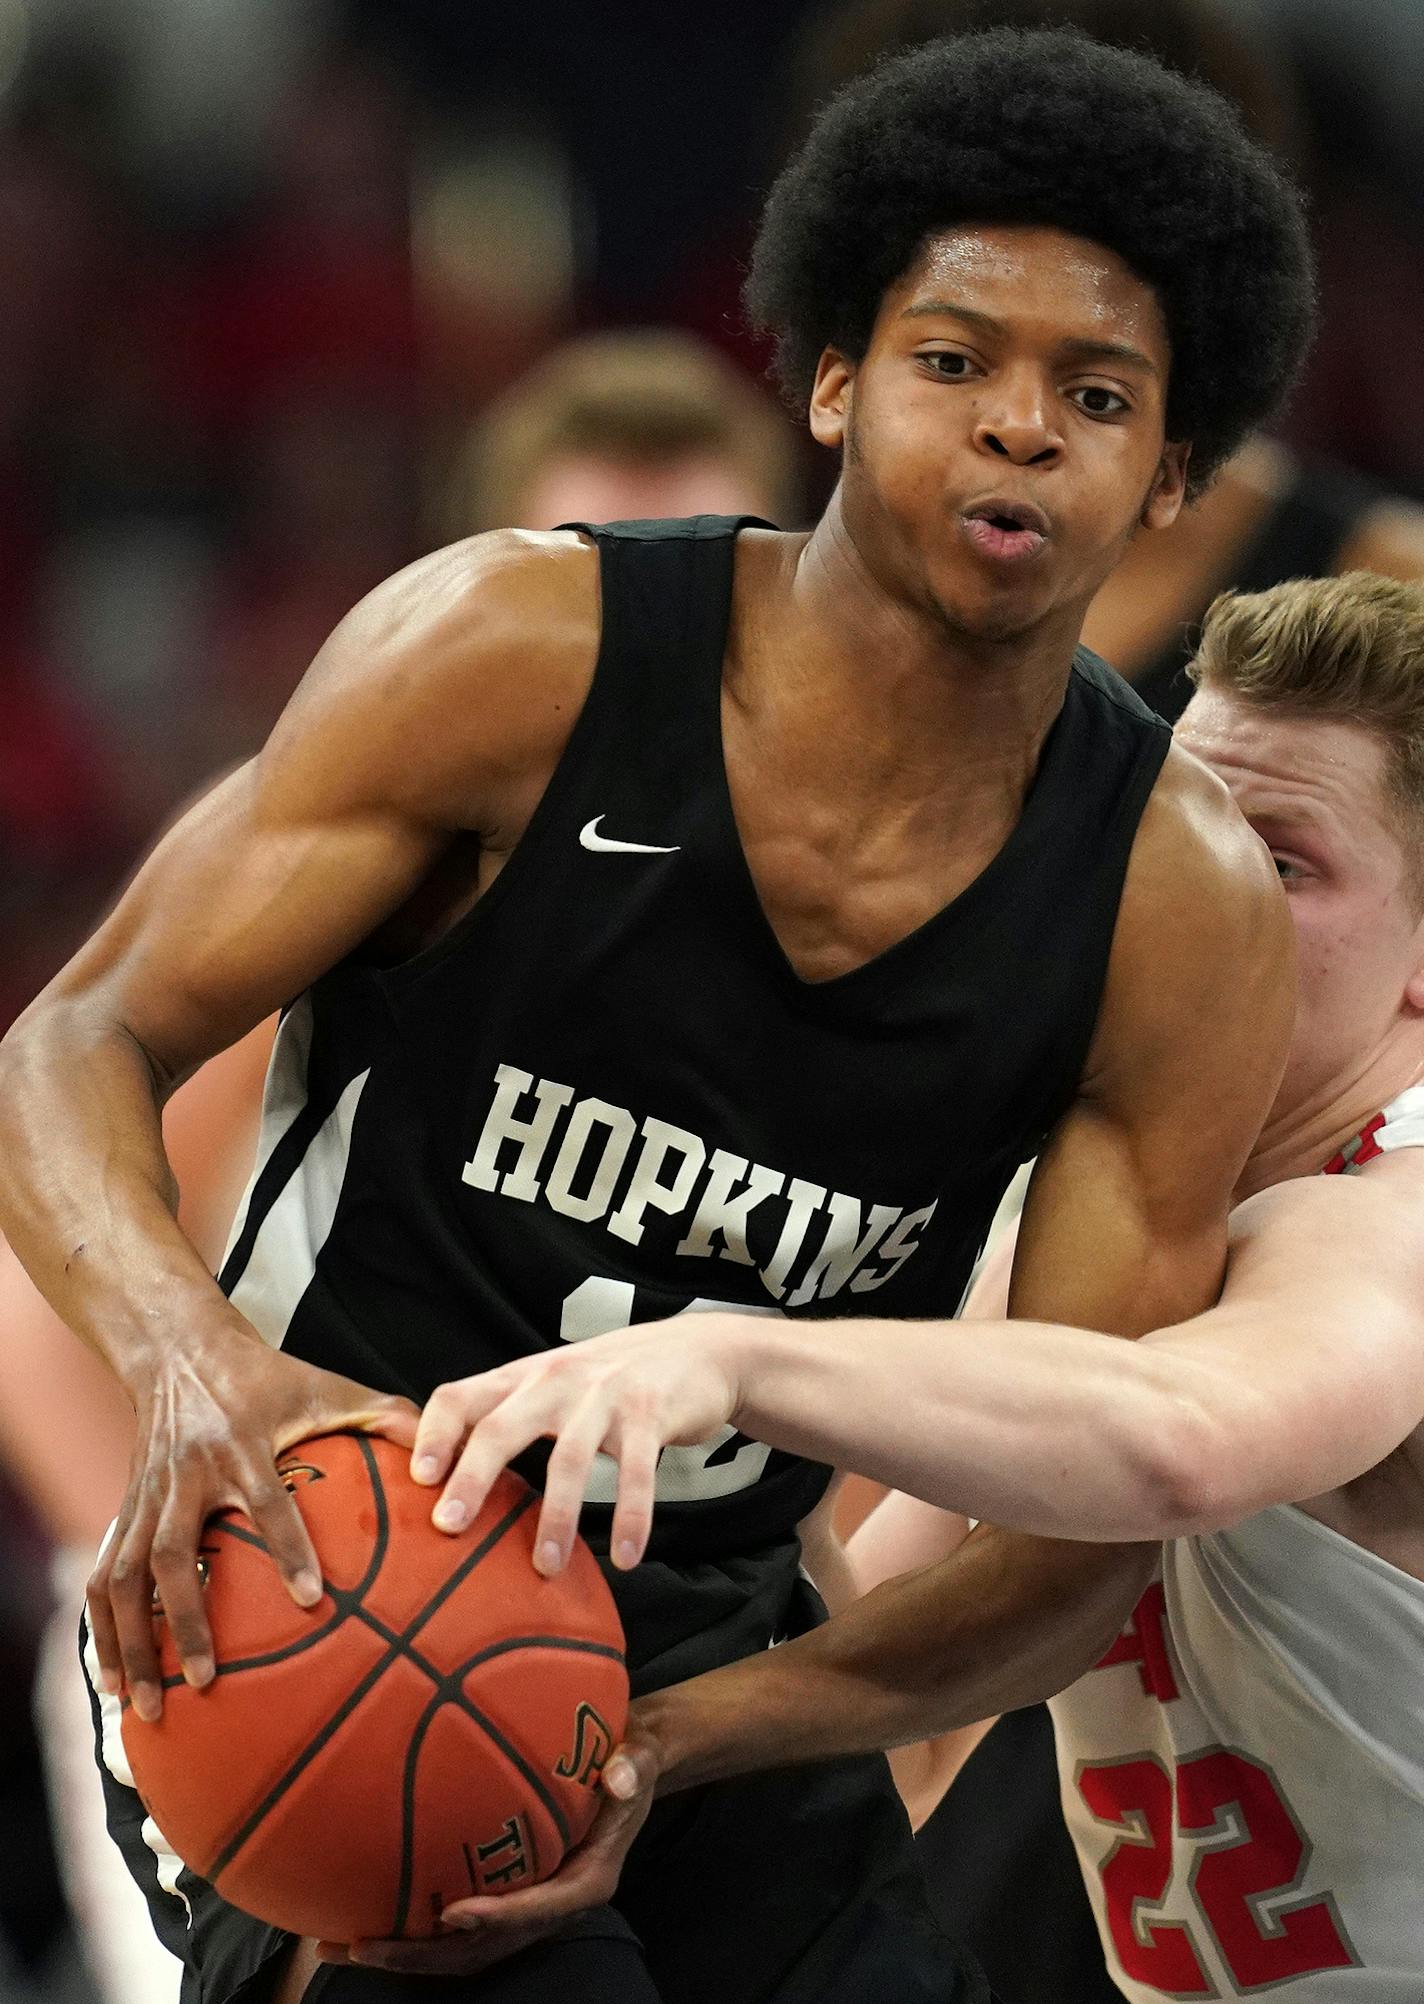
1308	1372
1304	1377
1124	1230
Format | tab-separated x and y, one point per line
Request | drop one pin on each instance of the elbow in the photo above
1187	1477
15	1055
26	1044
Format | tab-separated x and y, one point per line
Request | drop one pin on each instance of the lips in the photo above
1008	531
1011	514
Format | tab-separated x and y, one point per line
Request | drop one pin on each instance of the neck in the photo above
899	673
1302	1134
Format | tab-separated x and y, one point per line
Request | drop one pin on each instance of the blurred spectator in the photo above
312	289
619	427
1359	65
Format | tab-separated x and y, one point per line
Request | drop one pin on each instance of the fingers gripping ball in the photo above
434	1728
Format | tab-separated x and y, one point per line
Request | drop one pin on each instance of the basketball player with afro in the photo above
1240	1769
686	915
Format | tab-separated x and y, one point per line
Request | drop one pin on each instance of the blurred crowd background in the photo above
287	293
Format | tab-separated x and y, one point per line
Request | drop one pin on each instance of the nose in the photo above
1016	422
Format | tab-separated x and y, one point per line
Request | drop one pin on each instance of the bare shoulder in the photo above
1204	948
459	674
1195	854
1365	1229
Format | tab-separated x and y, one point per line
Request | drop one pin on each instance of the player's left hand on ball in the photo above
484	1931
627	1395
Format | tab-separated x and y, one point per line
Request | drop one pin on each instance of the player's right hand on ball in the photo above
212	1420
477	1933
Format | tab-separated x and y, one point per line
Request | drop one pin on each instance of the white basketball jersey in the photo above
1243	1773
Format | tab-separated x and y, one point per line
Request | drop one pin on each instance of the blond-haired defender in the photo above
623	425
1242	1772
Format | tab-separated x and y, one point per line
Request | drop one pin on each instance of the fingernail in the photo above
620	1778
451	1515
469	1922
148	1702
112	1681
307	1587
548	1558
425	1468
198	1671
625	1555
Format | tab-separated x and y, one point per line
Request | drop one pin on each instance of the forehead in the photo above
1017	273
1321	769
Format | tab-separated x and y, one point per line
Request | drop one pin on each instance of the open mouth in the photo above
1008	531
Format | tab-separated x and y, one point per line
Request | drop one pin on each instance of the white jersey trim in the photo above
284	1253
116	1760
1403	1121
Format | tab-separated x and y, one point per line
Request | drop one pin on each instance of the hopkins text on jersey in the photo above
544	1143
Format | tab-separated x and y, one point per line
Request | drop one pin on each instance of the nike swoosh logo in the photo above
605	845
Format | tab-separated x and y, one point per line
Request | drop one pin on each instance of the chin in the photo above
994	624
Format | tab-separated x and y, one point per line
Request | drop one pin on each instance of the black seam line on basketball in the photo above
373	1675
449	1685
450	1693
346	1599
566	1642
438	1676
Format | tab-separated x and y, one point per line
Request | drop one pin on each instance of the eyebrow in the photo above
1308	815
1076	348
1300	814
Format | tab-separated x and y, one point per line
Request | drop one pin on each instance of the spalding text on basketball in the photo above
593	1743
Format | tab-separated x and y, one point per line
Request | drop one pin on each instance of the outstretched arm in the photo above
1309	1372
1124	1230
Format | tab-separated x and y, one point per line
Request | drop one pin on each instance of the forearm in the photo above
88	1200
1058	1431
1006	1621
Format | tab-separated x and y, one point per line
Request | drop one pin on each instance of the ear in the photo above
1414	986
831	399
1169	487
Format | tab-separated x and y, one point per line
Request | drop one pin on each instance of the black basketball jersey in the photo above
605	1096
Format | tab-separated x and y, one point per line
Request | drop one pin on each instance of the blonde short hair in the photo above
1348	647
650	395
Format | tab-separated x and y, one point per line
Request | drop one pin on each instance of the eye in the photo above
954	368
1287	868
1104	402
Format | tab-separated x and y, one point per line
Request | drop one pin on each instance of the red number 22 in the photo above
1251	1850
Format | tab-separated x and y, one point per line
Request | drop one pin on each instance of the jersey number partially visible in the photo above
716	1466
1250	1856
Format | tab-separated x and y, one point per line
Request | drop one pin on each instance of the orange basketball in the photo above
434	1727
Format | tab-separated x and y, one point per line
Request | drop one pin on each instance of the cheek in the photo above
1343	955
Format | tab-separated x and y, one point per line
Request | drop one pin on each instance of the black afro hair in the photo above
1050	128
